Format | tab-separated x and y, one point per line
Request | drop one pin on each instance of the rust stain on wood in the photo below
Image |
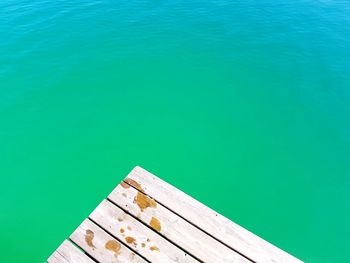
130	240
134	184
89	236
124	185
154	248
143	201
155	224
114	246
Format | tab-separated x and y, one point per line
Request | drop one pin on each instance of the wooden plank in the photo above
68	253
136	235
101	246
218	226
173	227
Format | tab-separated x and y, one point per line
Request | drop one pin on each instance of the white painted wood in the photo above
207	219
173	227
68	253
102	246
141	238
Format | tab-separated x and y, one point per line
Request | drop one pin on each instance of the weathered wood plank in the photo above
173	227
136	235
101	246
68	253
198	214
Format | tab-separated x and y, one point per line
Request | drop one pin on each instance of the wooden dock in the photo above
145	219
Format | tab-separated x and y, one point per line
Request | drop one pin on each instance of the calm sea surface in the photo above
243	104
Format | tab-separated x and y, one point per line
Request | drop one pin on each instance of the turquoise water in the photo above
244	105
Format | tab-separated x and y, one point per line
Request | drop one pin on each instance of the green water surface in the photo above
245	105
